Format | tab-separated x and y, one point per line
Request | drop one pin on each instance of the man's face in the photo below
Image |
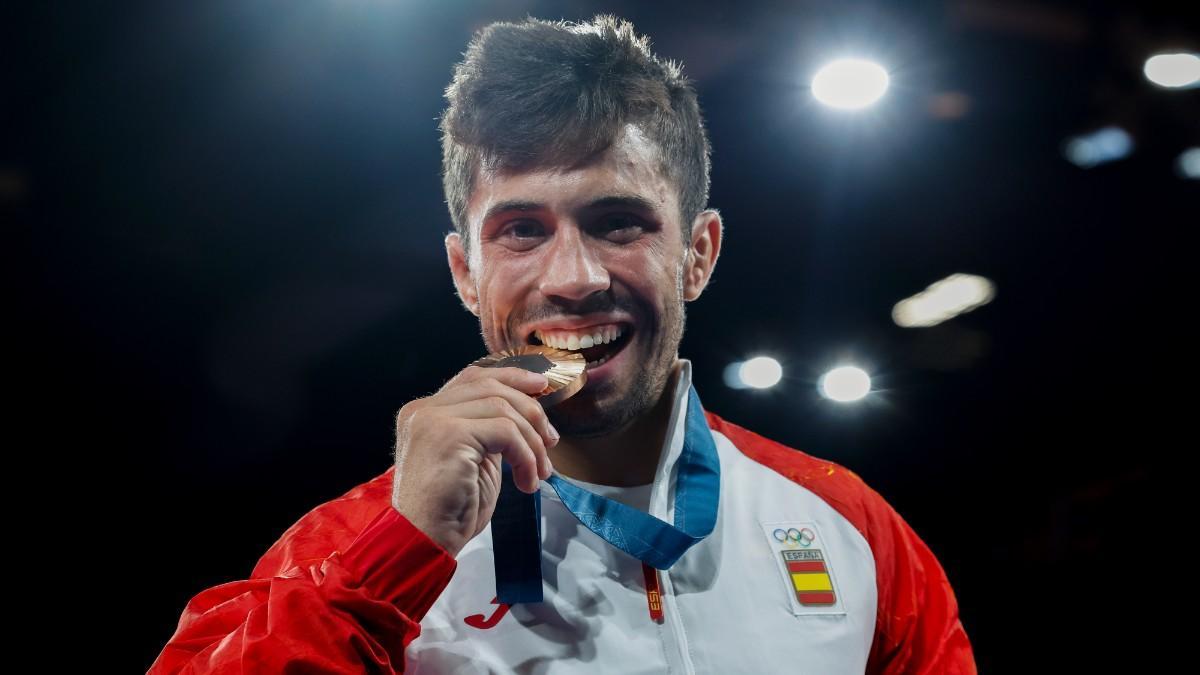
560	254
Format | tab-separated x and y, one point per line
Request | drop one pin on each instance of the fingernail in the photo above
553	431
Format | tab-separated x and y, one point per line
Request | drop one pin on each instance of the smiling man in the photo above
592	257
664	539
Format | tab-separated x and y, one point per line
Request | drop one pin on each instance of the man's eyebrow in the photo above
511	205
629	201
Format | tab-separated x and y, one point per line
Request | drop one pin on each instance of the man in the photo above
576	173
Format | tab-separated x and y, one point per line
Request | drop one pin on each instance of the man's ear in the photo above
702	253
460	269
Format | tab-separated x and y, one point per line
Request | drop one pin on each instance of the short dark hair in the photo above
540	94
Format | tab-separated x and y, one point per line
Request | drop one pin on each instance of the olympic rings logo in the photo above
793	537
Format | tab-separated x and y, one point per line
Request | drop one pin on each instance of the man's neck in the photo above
624	458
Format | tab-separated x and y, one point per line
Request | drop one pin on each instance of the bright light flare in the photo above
850	84
761	372
944	300
1173	71
845	384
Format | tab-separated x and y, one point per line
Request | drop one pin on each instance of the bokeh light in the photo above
845	384
850	84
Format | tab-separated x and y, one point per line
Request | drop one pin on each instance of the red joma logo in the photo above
485	622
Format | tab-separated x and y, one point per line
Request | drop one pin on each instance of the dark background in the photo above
227	222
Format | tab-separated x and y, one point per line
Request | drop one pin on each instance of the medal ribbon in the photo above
516	523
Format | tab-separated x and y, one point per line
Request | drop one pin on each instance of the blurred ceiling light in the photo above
845	384
1099	147
1173	71
761	372
944	300
850	84
1189	163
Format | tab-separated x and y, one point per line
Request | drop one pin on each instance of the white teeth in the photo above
576	342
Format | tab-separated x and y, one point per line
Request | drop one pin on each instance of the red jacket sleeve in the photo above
917	628
353	611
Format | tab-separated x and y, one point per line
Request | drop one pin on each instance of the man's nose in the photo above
573	270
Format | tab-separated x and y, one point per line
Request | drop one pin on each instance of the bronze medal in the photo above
566	372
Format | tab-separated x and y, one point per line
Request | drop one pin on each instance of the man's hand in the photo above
449	446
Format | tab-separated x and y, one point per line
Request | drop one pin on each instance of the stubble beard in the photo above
583	416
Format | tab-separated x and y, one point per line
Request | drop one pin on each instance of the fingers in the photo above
530	450
518	378
501	415
526	405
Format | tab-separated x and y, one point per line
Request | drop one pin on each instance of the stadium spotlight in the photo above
944	300
845	384
850	84
1173	71
761	372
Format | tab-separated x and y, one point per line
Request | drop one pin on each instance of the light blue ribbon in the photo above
641	535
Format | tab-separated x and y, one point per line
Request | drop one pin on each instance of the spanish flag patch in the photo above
804	561
810	577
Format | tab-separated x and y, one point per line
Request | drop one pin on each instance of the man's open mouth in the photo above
597	344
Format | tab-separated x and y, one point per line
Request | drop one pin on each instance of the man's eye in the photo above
525	229
620	227
619	221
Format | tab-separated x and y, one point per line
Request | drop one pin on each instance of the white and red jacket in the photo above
808	570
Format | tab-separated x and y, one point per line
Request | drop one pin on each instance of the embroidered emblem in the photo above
803	559
810	577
